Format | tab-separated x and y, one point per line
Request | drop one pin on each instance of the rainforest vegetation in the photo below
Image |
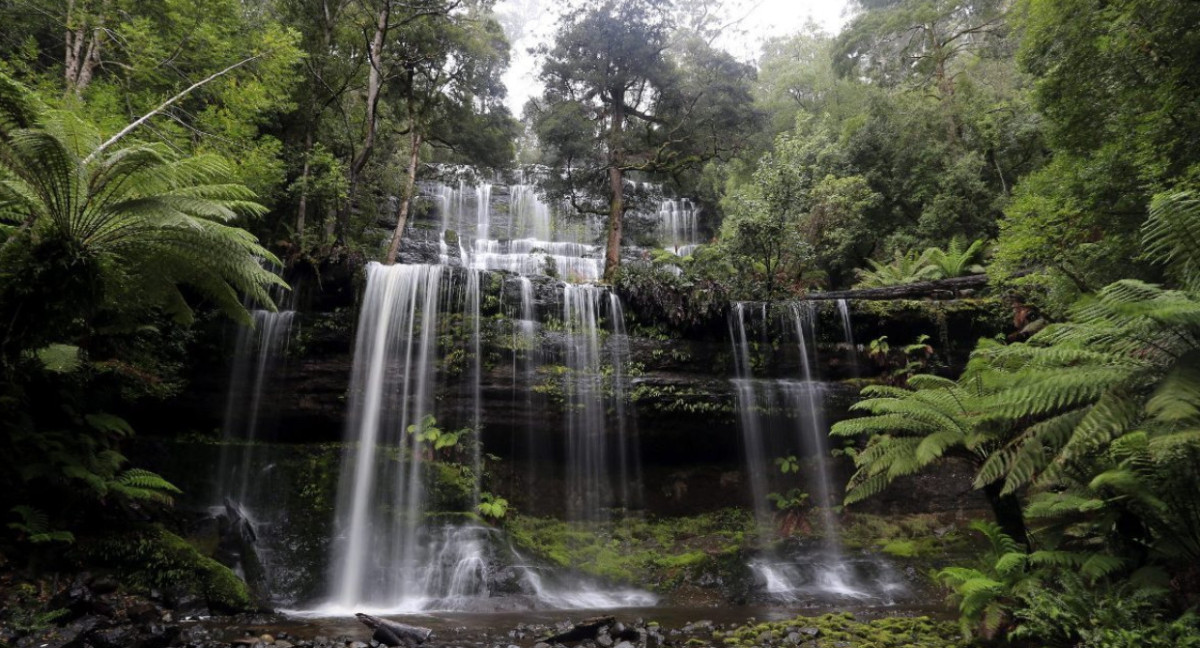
163	163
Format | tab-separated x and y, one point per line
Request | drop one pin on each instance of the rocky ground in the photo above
92	612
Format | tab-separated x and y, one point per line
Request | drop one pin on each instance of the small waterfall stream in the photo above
779	416
257	362
243	502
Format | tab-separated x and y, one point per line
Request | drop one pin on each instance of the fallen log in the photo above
916	289
582	631
392	633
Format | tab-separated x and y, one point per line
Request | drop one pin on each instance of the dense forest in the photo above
169	165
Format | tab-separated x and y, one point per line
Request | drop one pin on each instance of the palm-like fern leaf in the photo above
1172	235
158	220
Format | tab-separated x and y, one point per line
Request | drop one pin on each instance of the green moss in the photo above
903	536
450	486
648	552
843	631
152	557
901	548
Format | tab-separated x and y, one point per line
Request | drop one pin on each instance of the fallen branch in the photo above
392	633
164	105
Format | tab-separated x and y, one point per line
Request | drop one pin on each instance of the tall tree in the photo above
616	83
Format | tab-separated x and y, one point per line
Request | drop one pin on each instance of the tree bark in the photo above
616	181
82	49
302	207
409	186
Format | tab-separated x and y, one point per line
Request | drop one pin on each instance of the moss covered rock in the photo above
150	556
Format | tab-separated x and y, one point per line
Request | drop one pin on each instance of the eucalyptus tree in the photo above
624	91
920	42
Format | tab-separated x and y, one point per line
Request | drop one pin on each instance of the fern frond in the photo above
1172	235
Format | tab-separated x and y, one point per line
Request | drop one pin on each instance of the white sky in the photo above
753	21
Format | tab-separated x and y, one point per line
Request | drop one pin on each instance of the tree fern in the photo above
152	220
955	260
1172	235
904	268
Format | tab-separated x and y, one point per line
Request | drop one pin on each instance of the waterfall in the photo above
843	307
243	500
678	226
586	452
748	417
628	446
380	503
783	415
257	361
388	554
806	397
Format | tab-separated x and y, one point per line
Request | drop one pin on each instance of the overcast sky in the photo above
530	22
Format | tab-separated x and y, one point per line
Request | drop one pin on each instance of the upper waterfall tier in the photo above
511	228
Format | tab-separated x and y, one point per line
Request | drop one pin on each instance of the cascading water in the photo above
748	417
378	561
843	307
257	362
780	415
586	452
678	226
388	554
243	498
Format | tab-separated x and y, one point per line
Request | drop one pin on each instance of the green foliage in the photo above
1075	613
985	594
788	464
793	500
955	260
142	218
25	612
911	428
437	440
35	527
678	293
1118	98
910	267
492	506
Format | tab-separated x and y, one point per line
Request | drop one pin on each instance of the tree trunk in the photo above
82	49
409	186
1008	512
374	85
616	182
302	207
